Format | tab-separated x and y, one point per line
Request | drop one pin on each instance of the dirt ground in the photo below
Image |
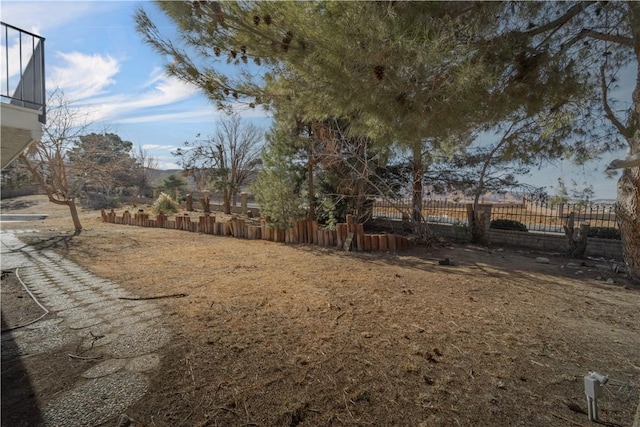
298	335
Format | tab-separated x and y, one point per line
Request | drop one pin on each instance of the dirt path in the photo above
275	334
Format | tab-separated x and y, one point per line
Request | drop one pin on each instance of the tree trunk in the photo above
312	189
226	201
628	217
577	237
51	192
628	201
74	216
73	210
361	156
476	220
416	193
205	204
361	215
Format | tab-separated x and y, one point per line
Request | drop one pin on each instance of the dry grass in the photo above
275	334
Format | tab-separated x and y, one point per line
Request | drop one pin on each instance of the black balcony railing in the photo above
22	76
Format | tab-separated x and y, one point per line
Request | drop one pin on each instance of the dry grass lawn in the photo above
297	335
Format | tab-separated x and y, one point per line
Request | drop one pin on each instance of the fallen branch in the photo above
156	297
94	337
75	356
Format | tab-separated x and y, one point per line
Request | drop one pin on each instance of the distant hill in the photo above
156	176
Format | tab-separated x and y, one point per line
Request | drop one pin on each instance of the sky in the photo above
95	56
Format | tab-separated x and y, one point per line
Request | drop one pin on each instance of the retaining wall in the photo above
347	236
607	248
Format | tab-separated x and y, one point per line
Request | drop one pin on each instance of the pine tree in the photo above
280	183
407	72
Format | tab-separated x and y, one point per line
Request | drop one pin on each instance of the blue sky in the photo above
95	56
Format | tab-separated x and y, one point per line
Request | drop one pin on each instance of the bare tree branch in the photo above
46	159
227	160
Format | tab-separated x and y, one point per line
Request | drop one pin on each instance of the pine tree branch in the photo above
624	131
507	137
627	41
556	23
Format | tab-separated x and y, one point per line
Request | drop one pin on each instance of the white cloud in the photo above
183	117
83	76
120	108
166	91
198	115
158	147
156	75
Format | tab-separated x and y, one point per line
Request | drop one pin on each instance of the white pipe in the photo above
36	301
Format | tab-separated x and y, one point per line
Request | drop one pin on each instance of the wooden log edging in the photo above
348	235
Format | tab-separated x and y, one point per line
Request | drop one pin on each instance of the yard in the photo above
295	335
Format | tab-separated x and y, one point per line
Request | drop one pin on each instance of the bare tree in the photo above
46	159
146	164
227	160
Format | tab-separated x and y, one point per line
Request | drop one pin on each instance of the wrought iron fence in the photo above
535	216
435	211
551	218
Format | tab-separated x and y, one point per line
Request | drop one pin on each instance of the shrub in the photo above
604	233
99	201
165	204
508	224
461	233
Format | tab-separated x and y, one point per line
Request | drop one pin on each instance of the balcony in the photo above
22	91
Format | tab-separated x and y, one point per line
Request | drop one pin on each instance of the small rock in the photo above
542	260
572	265
500	250
579	272
367	334
599	278
574	407
611	281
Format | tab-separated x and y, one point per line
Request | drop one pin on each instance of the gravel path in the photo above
123	336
